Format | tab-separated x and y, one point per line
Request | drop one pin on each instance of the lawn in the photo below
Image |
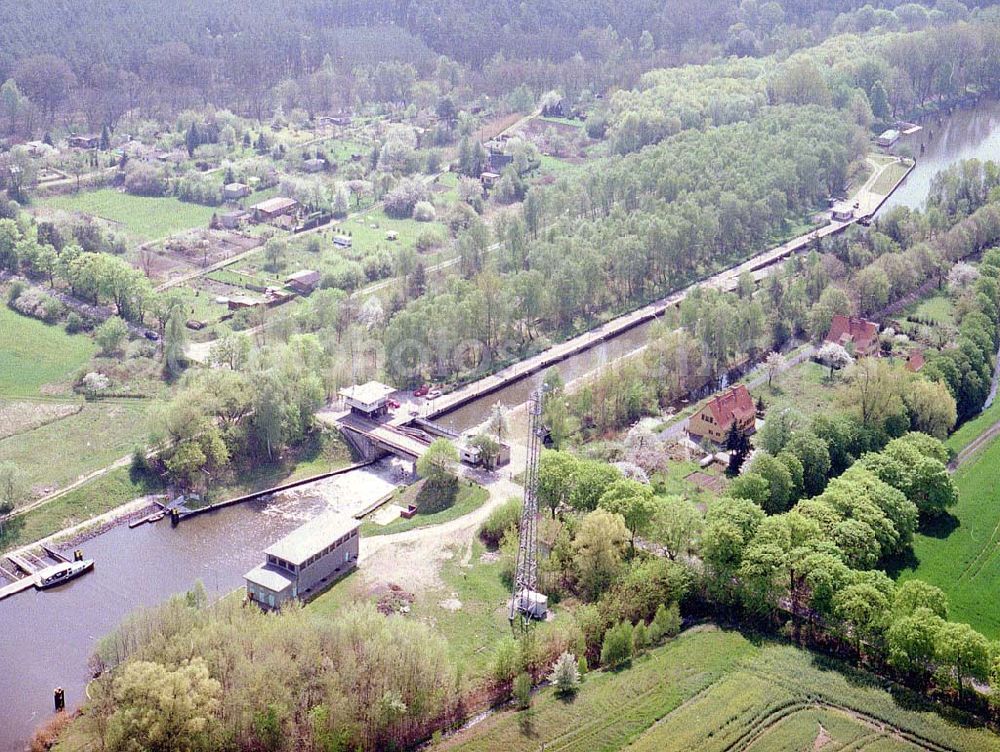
960	554
57	453
469	498
938	308
891	175
805	388
470	611
97	497
33	354
711	690
142	217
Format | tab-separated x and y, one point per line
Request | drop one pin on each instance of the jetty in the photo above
26	567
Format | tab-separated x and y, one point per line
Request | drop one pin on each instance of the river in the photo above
48	636
971	132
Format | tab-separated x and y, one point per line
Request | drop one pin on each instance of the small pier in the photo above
25	566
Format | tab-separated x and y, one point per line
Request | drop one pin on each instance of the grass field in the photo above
962	555
97	497
141	217
889	177
57	453
804	387
712	690
938	308
33	354
468	498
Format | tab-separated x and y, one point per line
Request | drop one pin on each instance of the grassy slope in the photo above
97	497
778	699
142	217
889	177
962	556
468	498
613	708
33	353
971	430
58	453
714	690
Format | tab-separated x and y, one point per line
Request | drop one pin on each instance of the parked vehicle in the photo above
421	391
433	394
393	404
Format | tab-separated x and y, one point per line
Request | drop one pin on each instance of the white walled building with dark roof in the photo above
305	561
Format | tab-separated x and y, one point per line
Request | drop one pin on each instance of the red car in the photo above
421	391
393	404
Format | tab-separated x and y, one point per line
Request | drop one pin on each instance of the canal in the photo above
46	637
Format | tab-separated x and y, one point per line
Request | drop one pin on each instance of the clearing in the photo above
34	354
56	453
960	552
712	690
144	218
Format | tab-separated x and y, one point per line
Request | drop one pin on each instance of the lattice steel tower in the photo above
526	602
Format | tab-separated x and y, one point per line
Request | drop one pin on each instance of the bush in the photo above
522	691
75	323
505	662
401	200
666	623
428	240
565	676
617	646
640	638
505	517
424	211
16	288
110	335
31	301
144	179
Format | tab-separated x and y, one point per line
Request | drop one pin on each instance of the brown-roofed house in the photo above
855	335
273	208
304	281
915	361
716	416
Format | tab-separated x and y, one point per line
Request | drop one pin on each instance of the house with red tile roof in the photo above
857	336
915	360
717	416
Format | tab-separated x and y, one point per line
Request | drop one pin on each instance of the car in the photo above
393	404
433	394
152	336
421	391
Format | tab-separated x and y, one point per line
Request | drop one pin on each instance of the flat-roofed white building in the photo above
305	561
369	399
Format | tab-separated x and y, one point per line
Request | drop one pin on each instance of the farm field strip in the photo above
960	556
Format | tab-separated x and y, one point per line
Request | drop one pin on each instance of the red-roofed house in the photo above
915	361
858	336
716	417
